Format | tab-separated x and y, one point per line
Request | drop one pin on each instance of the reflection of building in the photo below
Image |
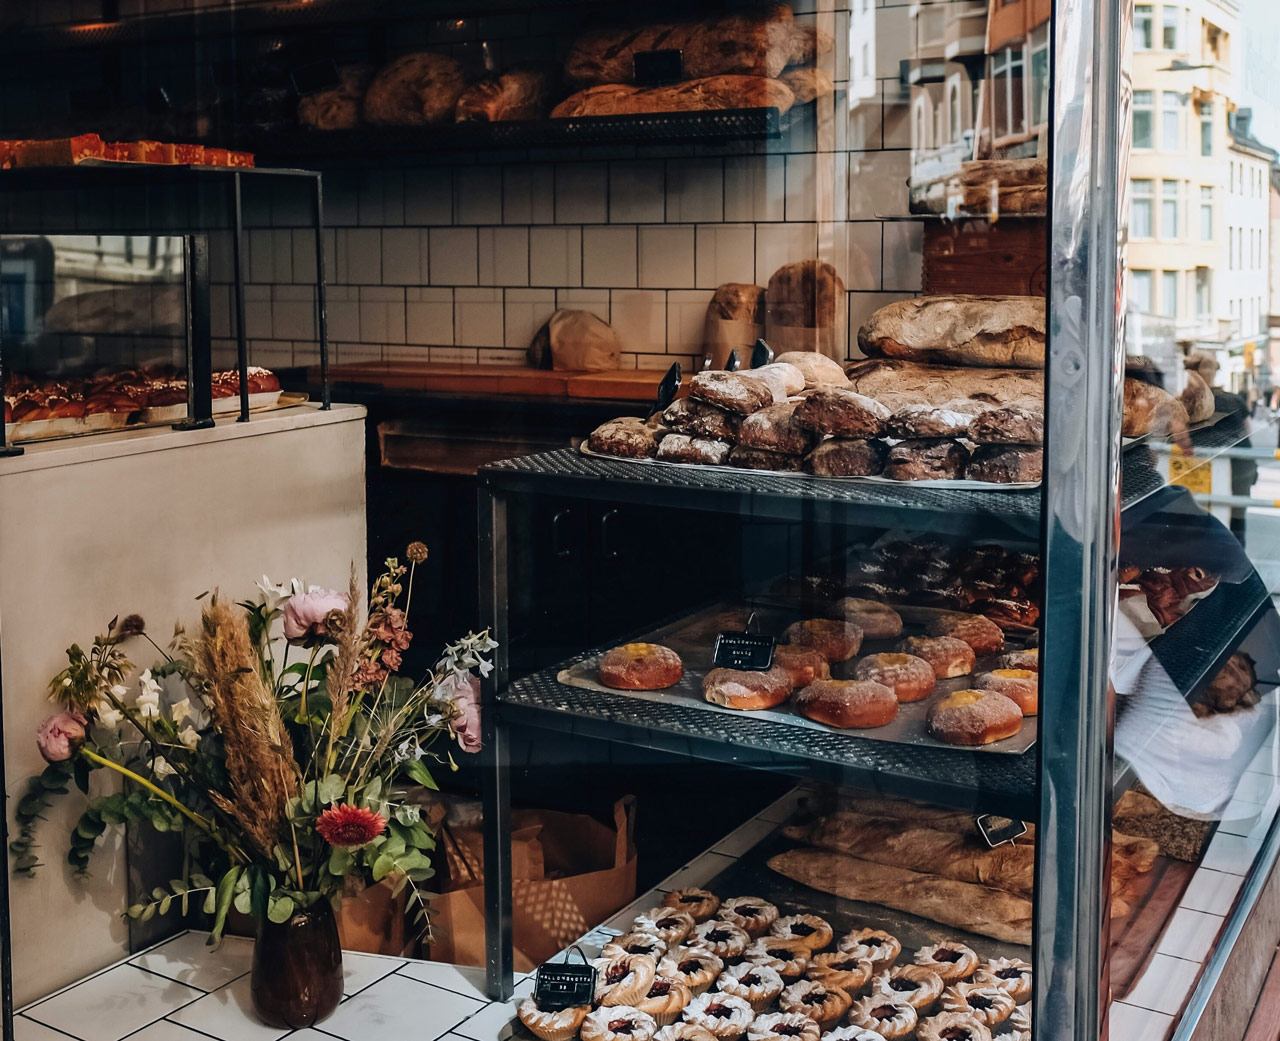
1015	105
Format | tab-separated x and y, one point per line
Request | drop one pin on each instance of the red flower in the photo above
349	826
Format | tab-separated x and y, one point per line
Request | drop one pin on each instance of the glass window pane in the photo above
1169	29
1143	27
1140	290
1169	294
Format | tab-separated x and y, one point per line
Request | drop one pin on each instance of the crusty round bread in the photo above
974	717
742	689
948	656
876	620
789	377
803	664
848	704
818	370
978	631
1021	686
640	666
910	678
835	641
1028	659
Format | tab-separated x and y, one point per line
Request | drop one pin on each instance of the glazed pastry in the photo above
640	666
891	1019
814	932
699	904
910	678
780	1026
979	632
746	690
838	969
758	984
682	448
1021	686
877	946
982	999
560	1025
624	979
1013	975
918	986
848	704
876	621
788	958
684	1031
802	664
696	968
953	1026
723	939
948	656
836	641
848	1032
723	1014
951	961
748	913
668	924
618	1023
973	717
635	943
666	1001
825	1004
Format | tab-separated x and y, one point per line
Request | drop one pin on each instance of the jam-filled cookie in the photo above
918	986
890	1018
699	904
816	933
951	961
877	946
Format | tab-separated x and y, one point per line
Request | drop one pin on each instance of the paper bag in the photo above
372	919
576	341
588	873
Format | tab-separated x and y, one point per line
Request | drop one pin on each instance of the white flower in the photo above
119	691
147	684
147	704
110	718
161	769
274	596
180	710
67	682
189	737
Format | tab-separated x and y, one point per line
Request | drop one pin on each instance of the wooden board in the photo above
1008	257
499	380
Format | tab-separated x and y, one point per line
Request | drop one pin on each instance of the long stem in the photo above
306	682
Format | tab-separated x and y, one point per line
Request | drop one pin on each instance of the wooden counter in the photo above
498	380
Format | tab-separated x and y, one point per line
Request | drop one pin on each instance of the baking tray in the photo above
224	406
693	639
47	429
954	485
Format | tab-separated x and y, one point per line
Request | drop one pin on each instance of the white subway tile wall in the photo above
462	258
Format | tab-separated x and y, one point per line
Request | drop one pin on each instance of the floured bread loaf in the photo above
711	92
979	331
415	90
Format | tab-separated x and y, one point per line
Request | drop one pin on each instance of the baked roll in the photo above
339	107
776	429
842	413
1007	426
415	90
1006	464
691	416
839	458
926	461
681	448
627	436
759	459
732	391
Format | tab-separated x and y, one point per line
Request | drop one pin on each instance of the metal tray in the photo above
693	639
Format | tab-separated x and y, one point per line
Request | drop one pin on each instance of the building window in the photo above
1143	119
1171	121
922	124
1009	114
1169	29
1206	128
1143	27
956	125
1143	215
1169	209
1140	291
1206	214
1040	76
1204	293
1169	294
1231	249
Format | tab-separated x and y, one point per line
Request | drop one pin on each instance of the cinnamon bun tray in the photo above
693	639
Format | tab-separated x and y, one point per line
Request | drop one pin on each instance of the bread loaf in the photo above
1150	410
808	43
897	380
805	308
980	331
1021	198
713	92
338	108
817	369
808	83
1007	173
518	94
735	320
1197	398
415	90
755	42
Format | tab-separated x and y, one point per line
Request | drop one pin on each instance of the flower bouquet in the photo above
276	737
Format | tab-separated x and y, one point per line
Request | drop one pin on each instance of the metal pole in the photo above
195	255
322	307
237	261
6	920
5	448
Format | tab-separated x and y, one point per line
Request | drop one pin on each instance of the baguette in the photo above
712	92
981	331
962	905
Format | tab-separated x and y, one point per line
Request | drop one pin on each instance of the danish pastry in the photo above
668	924
838	969
953	1026
877	946
618	1023
724	1015
696	968
982	999
1011	974
917	985
782	1026
890	1018
759	984
816	933
624	979
825	1004
748	913
723	939
910	678
666	1000
699	904
835	641
788	958
951	961
848	704
559	1025
640	666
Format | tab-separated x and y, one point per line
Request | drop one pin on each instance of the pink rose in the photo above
57	735
305	614
465	693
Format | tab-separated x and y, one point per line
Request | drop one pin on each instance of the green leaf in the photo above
280	909
419	773
199	881
210	902
135	910
242	902
382	867
165	904
158	893
81	773
330	789
340	862
261	893
178	886
148	913
222	904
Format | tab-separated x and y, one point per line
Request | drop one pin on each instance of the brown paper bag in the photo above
589	873
576	341
806	309
372	919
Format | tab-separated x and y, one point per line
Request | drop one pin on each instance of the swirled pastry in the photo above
668	924
892	1019
981	999
812	931
698	903
758	984
827	1005
723	939
1013	975
724	1015
918	986
951	961
559	1025
748	913
696	968
788	958
624	979
877	946
783	1026
953	1026
846	971
618	1023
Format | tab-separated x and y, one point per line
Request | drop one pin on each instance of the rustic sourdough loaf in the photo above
712	92
980	331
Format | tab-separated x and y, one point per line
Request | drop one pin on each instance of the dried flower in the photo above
389	627
368	674
350	826
133	625
416	552
59	736
161	769
391	659
306	614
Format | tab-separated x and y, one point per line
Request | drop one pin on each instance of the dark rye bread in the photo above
776	429
926	460
841	413
732	391
761	459
837	458
627	436
1008	426
1006	464
691	416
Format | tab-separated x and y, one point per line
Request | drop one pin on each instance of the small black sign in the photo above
997	831
749	652
653	68
732	363
563	985
315	77
761	355
667	389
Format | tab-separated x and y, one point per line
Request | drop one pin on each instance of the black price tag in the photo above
667	389
653	68
749	652
564	986
731	363
315	77
997	831
761	355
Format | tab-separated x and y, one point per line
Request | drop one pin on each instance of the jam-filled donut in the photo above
666	1000
723	939
684	1031
877	946
981	999
640	666
948	656
909	677
952	961
827	1005
953	1026
724	1015
973	717
668	924
783	1026
803	664
876	620
699	904
848	704
559	1025
747	690
788	958
837	969
635	943
624	979
696	968
835	641
1028	659
1013	975
1021	686
978	631
809	929
758	984
917	985
890	1018
749	913
618	1023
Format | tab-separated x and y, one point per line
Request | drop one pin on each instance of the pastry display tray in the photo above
953	485
694	637
258	402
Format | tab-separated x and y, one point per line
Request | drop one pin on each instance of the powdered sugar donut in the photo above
1021	686
835	641
909	677
948	656
978	631
746	690
802	664
848	704
640	666
876	620
973	717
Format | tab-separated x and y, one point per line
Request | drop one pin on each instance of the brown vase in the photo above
297	968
